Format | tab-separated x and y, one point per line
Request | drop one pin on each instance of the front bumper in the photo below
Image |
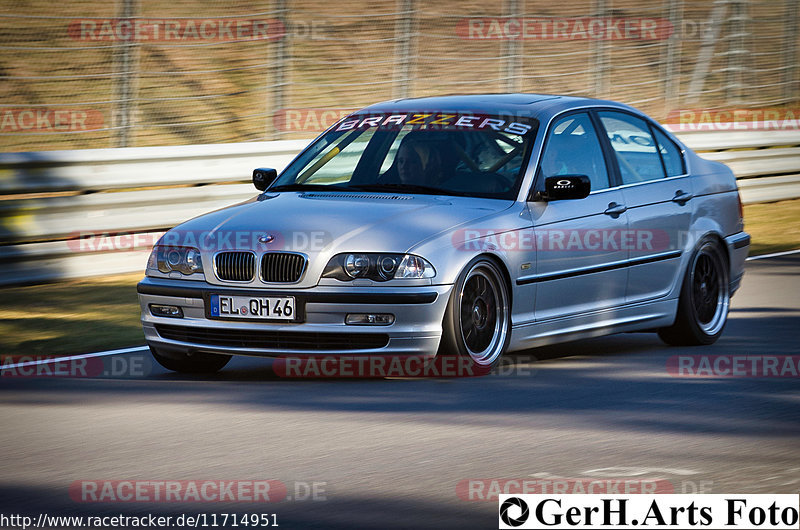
417	327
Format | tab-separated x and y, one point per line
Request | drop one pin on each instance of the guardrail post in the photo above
736	51
706	51
280	56
404	33
791	58
672	74
513	47
124	61
599	47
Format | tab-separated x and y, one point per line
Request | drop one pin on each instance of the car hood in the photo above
322	224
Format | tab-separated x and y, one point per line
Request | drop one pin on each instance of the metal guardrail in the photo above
61	209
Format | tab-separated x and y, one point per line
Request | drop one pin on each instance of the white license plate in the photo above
269	308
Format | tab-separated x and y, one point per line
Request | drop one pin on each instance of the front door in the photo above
580	249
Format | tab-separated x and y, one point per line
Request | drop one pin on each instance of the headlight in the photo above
356	265
166	259
378	267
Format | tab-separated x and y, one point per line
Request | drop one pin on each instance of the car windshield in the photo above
473	155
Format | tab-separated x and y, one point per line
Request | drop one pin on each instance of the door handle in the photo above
681	197
615	209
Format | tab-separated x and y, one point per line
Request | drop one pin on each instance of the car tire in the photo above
195	363
477	322
704	300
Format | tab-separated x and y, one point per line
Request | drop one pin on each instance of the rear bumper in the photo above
738	248
417	328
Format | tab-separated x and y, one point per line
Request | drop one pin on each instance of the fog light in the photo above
170	311
369	319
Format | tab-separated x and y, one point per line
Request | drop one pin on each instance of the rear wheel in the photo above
477	322
704	300
190	363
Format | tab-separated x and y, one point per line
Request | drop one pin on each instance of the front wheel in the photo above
195	363
704	299
477	321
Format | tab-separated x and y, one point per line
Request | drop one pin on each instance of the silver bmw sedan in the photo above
459	225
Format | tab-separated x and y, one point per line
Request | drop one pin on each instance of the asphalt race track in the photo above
392	453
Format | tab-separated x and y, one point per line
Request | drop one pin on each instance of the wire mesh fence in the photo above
84	74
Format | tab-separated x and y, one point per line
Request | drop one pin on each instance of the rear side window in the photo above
634	147
670	154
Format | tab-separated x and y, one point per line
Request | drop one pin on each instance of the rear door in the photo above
658	193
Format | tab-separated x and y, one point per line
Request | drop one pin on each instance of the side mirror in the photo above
263	177
566	187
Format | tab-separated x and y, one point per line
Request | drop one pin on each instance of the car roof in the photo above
524	105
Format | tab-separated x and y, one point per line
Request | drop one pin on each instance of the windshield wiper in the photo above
309	187
405	188
389	188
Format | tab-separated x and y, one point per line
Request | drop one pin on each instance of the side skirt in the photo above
637	317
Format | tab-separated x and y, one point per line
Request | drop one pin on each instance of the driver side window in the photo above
572	148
